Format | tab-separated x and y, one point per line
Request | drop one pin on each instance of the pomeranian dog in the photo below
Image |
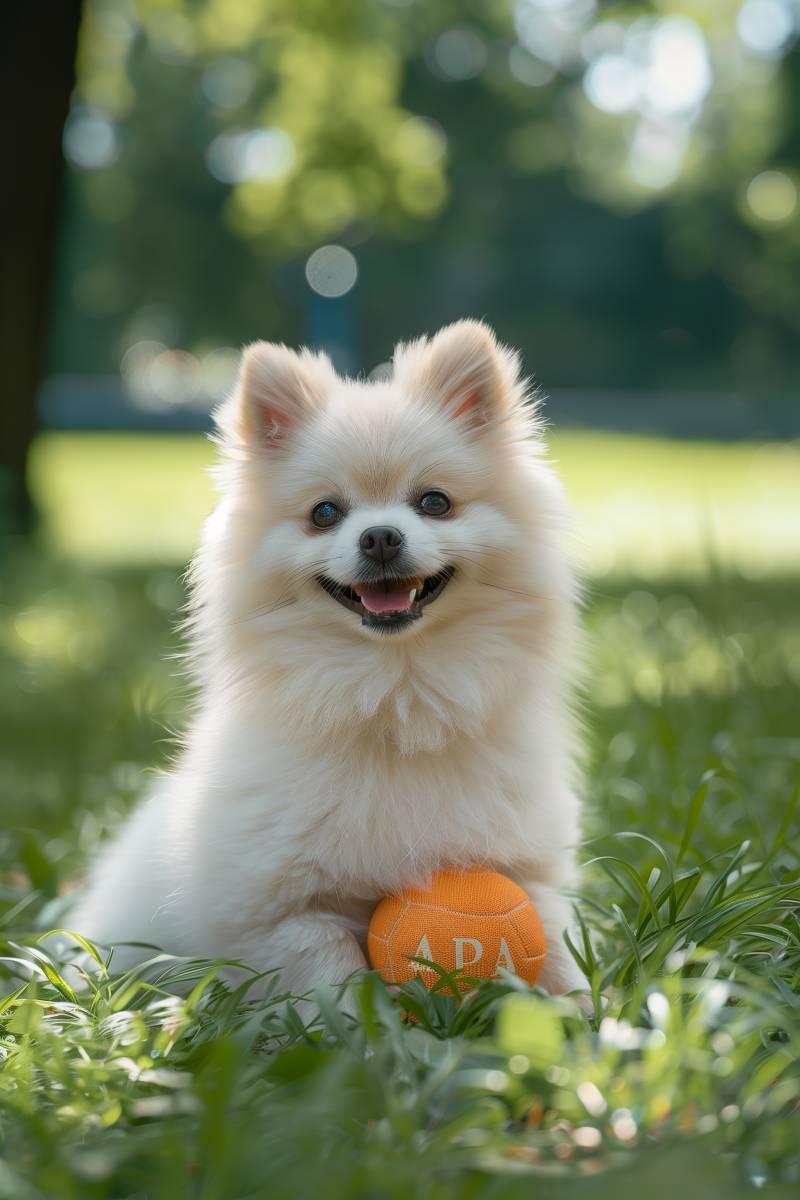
382	634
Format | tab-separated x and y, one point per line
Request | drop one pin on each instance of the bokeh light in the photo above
765	26
605	35
158	378
228	82
612	83
420	140
251	154
772	196
218	369
135	366
331	271
90	139
676	70
664	70
527	69
174	378
458	54
173	34
657	152
552	29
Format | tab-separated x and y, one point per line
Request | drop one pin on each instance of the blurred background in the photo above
614	187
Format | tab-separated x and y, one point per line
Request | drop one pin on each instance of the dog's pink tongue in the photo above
376	598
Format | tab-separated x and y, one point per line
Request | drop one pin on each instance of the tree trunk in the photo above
37	73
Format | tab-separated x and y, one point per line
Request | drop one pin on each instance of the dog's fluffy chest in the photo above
394	819
362	819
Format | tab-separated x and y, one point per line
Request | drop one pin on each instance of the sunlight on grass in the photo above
651	506
119	498
645	505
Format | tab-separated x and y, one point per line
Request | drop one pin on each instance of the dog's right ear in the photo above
276	392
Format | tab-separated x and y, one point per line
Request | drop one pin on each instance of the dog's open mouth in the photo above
388	604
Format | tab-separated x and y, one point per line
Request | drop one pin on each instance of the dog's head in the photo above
415	513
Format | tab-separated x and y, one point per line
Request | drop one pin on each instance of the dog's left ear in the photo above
464	369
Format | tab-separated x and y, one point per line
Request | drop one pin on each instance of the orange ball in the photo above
473	920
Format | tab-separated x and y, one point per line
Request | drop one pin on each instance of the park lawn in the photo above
641	504
689	904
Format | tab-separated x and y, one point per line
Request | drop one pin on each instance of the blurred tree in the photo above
616	187
36	78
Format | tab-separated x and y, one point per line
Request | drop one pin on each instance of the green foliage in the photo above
457	150
175	1085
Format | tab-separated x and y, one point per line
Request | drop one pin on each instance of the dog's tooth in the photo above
412	595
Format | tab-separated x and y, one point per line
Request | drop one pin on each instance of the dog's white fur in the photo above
328	764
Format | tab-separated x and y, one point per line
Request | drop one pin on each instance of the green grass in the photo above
647	505
689	904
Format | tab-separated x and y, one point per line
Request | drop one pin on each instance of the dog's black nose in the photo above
381	542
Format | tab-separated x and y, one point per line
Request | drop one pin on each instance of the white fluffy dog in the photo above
383	623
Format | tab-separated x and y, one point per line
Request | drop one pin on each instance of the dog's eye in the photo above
326	514
434	504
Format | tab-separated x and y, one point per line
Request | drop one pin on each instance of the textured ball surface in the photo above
472	920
